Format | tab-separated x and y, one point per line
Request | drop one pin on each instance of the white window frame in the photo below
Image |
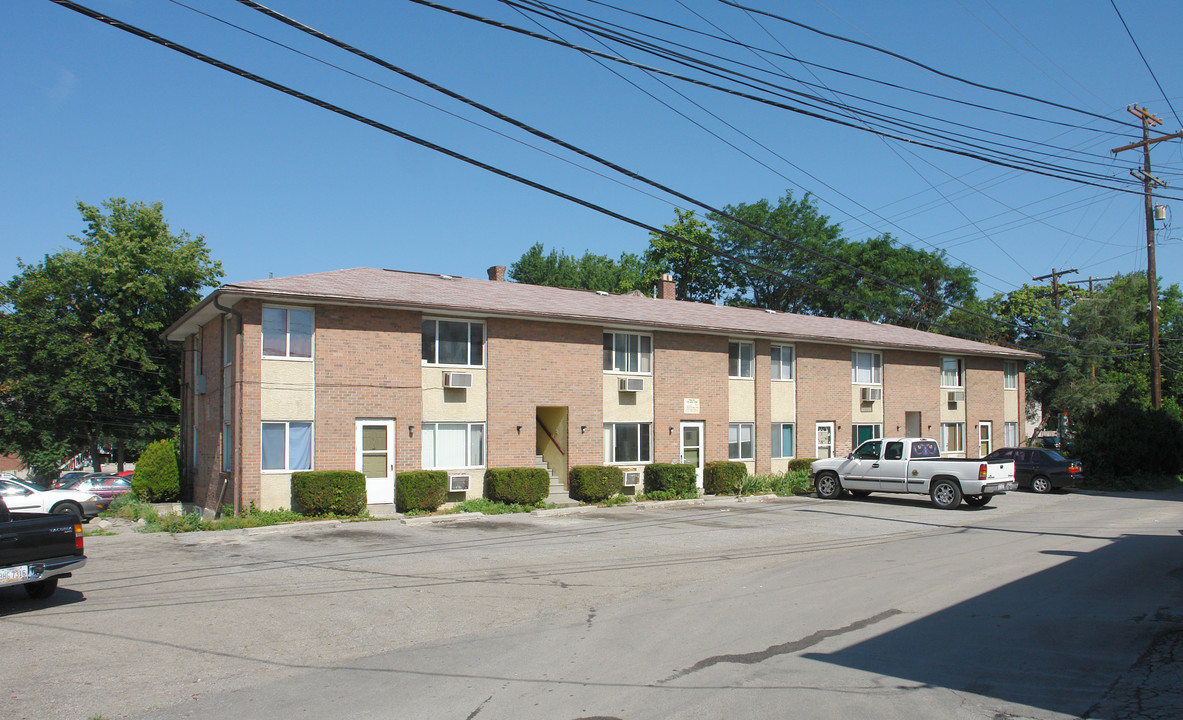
433	361
429	433
736	442
876	430
957	372
287	333
640	357
1010	375
644	449
958	429
1010	434
739	366
782	370
874	369
777	444
287	446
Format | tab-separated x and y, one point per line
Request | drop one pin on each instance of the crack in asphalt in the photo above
792	646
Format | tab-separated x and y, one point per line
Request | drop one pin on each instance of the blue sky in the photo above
280	187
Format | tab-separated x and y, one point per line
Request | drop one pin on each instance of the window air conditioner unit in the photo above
459	483
956	396
199	385
632	384
632	479
872	394
457	379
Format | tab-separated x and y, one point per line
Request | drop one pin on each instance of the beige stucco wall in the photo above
442	404
287	389
276	491
864	413
626	406
741	401
1010	406
951	413
784	401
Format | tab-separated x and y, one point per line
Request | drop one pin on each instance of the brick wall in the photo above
983	402
689	366
910	384
534	364
823	394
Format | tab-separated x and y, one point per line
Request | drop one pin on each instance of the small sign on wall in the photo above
690	406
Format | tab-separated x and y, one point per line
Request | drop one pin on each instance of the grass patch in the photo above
97	532
658	495
616	500
490	507
129	508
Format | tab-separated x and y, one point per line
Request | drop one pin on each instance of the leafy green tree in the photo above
82	363
587	272
696	270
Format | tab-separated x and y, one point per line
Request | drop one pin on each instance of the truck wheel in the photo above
1041	485
67	508
976	500
946	494
828	486
42	589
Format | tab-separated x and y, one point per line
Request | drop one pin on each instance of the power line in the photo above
1145	62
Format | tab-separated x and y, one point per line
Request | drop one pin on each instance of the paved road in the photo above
1033	607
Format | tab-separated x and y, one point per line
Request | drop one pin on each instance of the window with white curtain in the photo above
287	332
952	373
1010	375
453	342
628	353
739	359
782	362
866	368
453	445
287	446
739	441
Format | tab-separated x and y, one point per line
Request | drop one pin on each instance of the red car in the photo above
107	487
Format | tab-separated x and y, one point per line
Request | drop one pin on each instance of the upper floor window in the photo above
628	353
228	340
866	368
952	372
287	332
739	359
782	362
1010	375
453	342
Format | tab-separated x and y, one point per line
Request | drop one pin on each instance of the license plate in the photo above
14	574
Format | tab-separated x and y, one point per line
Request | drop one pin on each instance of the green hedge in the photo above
329	492
674	477
517	486
723	477
801	464
157	477
420	490
594	483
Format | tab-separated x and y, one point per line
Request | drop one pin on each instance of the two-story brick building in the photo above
386	371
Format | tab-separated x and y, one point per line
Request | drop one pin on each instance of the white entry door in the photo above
824	446
375	459
692	432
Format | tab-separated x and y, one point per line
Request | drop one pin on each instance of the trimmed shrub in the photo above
329	492
801	464
594	483
520	485
723	477
157	477
675	477
420	490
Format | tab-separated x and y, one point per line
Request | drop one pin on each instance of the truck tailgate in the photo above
28	537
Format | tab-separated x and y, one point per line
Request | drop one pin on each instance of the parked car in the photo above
126	473
68	478
21	496
912	465
38	550
107	487
1039	469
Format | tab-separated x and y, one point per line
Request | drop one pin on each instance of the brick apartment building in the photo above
386	371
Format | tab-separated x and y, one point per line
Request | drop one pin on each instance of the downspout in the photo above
235	404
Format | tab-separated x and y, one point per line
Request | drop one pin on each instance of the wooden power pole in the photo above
1055	276
1149	182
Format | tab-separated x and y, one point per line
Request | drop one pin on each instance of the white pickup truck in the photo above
912	465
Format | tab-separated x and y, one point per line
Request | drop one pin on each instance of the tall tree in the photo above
82	363
587	272
696	270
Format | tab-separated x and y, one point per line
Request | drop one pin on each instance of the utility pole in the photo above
1148	183
1055	276
1090	281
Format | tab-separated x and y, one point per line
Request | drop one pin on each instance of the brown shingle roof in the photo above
443	294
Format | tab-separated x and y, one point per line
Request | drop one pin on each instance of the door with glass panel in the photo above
692	431
824	446
375	459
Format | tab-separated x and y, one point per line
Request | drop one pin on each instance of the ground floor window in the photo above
628	442
287	445
862	433
782	440
739	442
453	445
1010	434
952	438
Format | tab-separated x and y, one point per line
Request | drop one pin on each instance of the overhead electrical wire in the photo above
1145	61
144	34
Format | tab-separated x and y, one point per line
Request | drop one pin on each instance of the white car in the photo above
20	496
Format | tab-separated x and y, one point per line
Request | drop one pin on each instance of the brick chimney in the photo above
497	273
667	289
